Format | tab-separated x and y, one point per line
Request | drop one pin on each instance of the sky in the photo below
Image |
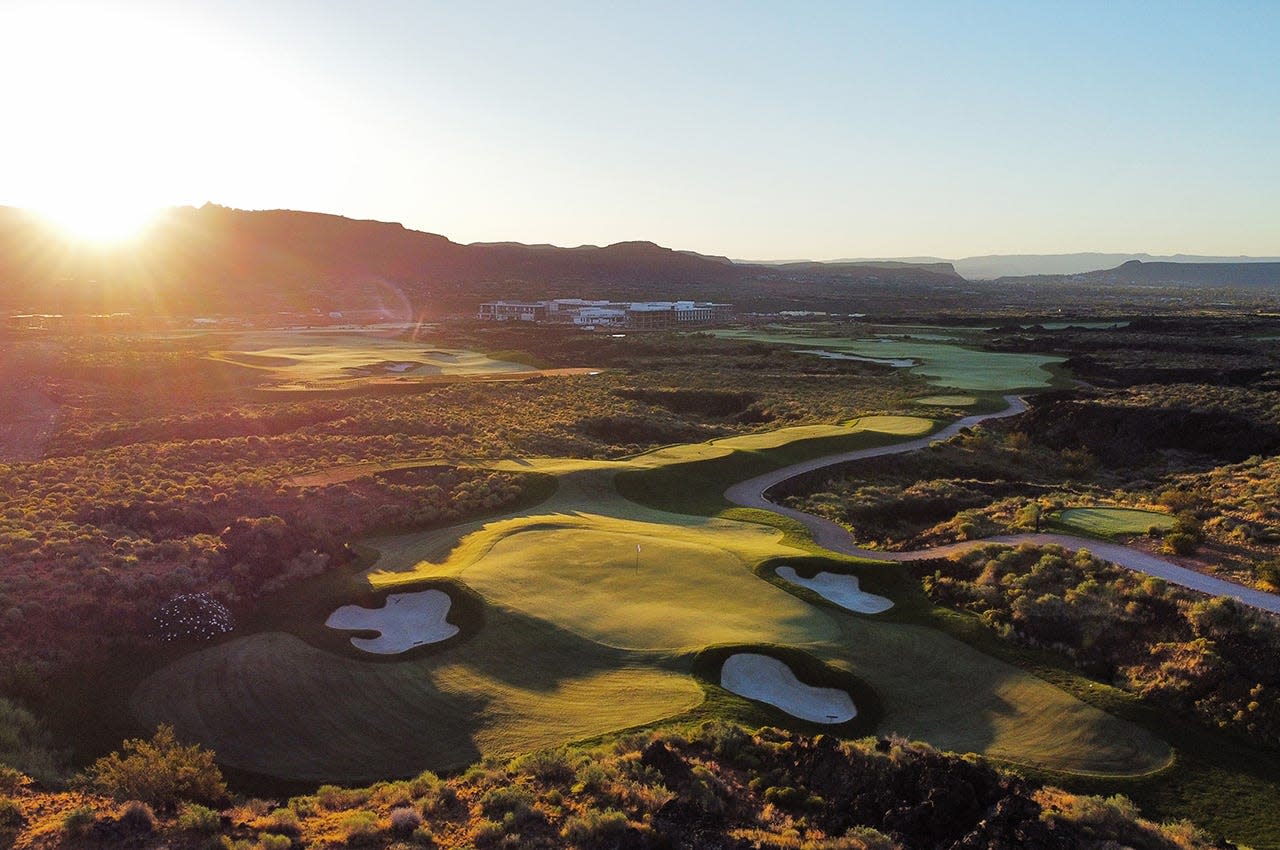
754	130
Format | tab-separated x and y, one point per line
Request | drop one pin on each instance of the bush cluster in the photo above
1207	657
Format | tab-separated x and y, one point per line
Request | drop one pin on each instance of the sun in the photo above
98	221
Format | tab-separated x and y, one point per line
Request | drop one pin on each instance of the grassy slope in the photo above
272	704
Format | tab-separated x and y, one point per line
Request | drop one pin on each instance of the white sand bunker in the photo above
766	679
840	589
404	621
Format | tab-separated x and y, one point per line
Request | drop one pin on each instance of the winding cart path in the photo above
752	493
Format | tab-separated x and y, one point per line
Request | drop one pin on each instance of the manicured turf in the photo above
271	704
943	364
947	400
327	360
588	577
577	637
1110	522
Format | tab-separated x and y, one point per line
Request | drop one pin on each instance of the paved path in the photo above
835	537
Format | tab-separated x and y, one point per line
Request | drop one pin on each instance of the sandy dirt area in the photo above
841	589
766	679
405	621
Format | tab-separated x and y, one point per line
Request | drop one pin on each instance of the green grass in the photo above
947	400
943	364
570	638
937	688
319	360
271	704
1224	785
1111	522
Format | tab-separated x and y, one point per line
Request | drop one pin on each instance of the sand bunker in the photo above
766	679
404	621
840	589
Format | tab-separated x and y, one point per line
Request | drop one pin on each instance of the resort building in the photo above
616	314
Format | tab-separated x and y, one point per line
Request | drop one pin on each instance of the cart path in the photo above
836	538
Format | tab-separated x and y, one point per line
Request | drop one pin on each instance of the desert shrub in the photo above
1181	543
423	837
546	765
11	779
405	820
424	783
1114	818
78	820
857	838
1270	573
500	801
283	822
440	803
391	794
138	817
595	828
303	806
159	771
25	745
592	777
272	841
785	797
254	807
360	827
489	832
337	799
10	814
198	818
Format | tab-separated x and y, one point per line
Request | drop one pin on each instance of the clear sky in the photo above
765	131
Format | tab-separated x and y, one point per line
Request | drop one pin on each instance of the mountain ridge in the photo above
995	266
205	258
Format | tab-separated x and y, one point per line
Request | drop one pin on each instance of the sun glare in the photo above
100	222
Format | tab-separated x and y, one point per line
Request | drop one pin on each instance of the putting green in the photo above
647	586
1108	522
943	364
312	360
947	400
580	637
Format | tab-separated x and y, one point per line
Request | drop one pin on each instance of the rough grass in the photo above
944	364
1111	522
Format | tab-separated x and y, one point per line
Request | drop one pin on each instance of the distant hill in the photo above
854	267
223	260
993	266
1251	275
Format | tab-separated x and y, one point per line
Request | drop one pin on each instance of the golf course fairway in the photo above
594	606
